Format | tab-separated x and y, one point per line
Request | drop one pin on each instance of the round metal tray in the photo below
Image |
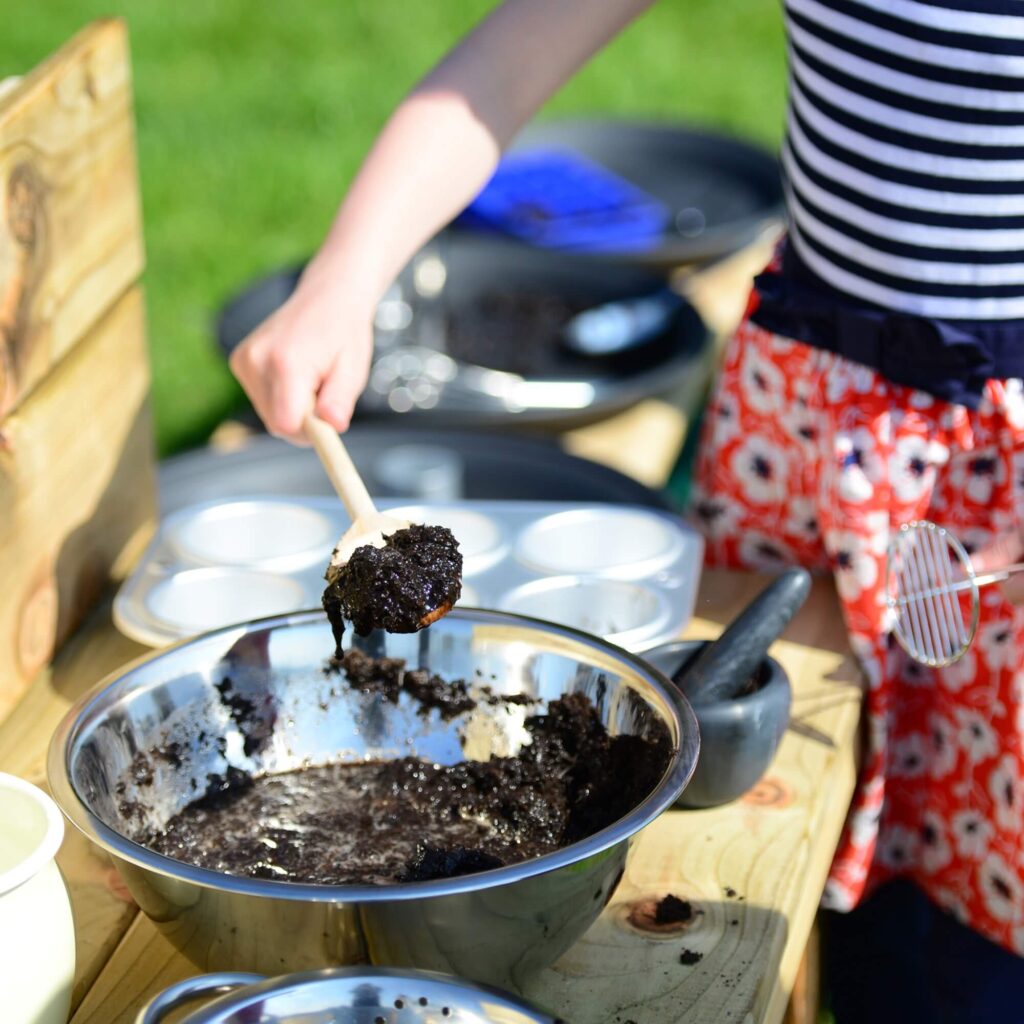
722	193
412	375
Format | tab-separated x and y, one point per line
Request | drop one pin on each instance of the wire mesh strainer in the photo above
932	592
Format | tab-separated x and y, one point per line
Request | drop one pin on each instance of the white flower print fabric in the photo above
811	459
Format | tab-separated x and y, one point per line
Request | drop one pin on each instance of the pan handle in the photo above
192	988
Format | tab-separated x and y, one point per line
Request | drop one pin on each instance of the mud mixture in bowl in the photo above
385	822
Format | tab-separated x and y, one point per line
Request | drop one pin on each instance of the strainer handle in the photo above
192	988
983	579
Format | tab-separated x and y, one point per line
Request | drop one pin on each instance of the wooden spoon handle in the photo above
340	468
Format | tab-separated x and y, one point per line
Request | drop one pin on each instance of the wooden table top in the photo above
755	868
753	871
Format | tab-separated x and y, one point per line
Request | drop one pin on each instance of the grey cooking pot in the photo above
496	926
342	995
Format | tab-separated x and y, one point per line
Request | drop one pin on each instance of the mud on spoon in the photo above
385	573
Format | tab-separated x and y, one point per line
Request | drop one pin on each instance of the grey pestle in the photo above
724	667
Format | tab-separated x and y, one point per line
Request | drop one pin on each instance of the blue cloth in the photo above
899	959
949	359
559	199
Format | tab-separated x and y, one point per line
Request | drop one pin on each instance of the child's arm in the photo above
434	154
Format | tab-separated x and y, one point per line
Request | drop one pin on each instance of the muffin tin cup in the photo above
625	573
621	611
257	534
199	600
482	538
622	542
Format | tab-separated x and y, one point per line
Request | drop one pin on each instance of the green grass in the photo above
252	117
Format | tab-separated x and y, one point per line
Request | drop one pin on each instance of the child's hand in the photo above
316	347
1005	550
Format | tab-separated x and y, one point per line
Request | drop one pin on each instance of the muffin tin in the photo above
625	573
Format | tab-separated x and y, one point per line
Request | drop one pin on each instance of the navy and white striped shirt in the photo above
904	157
904	154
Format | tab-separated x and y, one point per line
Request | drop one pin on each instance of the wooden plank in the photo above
753	870
719	291
77	491
805	1002
93	653
70	220
143	964
756	867
101	905
643	442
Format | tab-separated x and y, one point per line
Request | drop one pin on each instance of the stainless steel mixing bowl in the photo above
497	926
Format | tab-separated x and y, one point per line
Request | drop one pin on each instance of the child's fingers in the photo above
343	383
1004	550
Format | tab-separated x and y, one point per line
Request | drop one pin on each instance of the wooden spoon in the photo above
369	526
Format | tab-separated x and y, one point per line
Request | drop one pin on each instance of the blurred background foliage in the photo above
253	116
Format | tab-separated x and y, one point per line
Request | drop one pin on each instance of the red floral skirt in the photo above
808	458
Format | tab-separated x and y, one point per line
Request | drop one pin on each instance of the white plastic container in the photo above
37	935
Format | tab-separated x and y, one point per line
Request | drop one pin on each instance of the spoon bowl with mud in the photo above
385	573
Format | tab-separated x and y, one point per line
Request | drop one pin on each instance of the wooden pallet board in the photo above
70	215
77	491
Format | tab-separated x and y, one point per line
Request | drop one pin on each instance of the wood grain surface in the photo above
101	905
77	491
70	222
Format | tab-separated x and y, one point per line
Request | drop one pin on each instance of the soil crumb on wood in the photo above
672	910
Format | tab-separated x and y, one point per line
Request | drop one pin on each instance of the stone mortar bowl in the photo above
497	926
739	737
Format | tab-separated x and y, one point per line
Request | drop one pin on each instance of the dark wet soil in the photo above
519	332
255	723
394	587
672	910
407	820
389	677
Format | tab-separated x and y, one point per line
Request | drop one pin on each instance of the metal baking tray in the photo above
626	573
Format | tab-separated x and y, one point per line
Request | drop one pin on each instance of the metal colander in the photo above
342	995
